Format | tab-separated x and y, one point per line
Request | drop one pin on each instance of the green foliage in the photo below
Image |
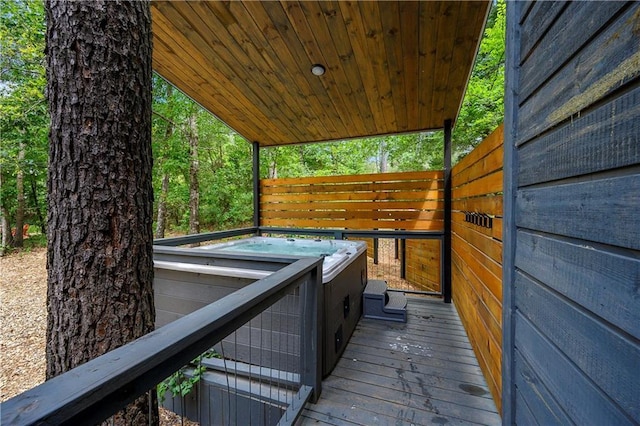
23	108
182	381
225	176
483	107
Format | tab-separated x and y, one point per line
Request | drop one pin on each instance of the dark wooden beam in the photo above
510	167
446	255
256	184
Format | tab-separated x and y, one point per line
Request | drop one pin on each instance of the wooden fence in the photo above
410	201
477	253
396	201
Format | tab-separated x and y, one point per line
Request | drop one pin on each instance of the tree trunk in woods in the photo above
18	239
36	204
161	223
5	224
7	239
99	230
383	158
194	190
164	190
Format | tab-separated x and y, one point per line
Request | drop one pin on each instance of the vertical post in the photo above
375	251
256	186
509	224
311	331
447	213
403	258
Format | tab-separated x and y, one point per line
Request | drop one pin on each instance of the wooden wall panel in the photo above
423	264
411	201
572	258
477	254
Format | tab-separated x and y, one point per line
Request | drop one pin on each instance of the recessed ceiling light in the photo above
317	69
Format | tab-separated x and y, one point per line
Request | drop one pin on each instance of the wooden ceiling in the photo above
391	66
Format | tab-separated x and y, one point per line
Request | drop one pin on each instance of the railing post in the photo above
256	186
311	329
446	285
403	258
375	251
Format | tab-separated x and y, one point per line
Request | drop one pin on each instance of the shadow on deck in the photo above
418	373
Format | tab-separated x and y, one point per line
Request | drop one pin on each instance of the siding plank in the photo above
609	62
541	16
609	359
531	389
572	390
603	139
580	19
603	282
604	211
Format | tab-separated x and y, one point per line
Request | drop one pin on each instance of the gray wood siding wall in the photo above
572	214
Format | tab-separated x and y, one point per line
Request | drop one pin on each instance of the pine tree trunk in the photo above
17	239
99	229
194	190
162	206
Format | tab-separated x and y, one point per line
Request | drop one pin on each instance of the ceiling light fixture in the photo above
317	69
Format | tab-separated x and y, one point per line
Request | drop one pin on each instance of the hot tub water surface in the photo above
337	254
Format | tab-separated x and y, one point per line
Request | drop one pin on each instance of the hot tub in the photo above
337	254
344	277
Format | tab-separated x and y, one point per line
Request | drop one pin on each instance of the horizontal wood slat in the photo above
353	205
411	225
348	214
477	253
364	178
410	200
359	196
417	186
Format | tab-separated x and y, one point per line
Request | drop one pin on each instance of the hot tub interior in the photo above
336	253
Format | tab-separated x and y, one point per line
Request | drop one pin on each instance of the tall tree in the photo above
23	118
483	107
100	254
194	186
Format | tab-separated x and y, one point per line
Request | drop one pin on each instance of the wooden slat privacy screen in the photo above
408	201
477	254
396	201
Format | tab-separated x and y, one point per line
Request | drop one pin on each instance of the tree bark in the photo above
161	222
194	190
99	230
18	240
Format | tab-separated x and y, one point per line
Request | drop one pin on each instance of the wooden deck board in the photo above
418	373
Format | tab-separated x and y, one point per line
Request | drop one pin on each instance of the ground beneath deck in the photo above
423	372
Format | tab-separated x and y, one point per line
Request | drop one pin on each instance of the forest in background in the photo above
203	169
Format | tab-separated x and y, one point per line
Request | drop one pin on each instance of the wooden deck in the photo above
419	373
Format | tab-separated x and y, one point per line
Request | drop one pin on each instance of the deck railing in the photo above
92	392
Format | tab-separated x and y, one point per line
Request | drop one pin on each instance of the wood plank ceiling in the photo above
391	66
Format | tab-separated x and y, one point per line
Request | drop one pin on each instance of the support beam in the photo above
446	252
256	184
509	225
